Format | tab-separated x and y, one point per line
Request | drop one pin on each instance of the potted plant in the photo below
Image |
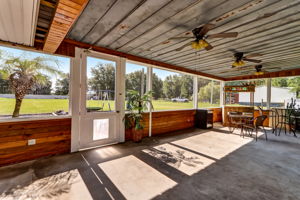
136	105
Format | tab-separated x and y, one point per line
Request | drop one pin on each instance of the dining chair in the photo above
258	124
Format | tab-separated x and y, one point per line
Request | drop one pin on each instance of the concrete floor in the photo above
191	164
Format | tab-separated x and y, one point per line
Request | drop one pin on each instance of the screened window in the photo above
285	89
171	91
208	93
33	84
244	98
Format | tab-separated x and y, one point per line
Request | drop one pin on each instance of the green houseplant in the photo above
134	120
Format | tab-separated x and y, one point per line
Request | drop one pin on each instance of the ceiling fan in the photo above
245	69
240	59
200	36
260	71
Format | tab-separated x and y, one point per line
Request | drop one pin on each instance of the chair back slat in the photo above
259	121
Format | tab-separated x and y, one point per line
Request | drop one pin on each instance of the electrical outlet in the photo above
31	142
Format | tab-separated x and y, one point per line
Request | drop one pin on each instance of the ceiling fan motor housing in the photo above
238	56
196	33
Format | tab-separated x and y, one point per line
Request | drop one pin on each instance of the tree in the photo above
24	73
62	85
172	86
186	89
44	88
4	86
134	81
294	83
280	82
204	94
103	78
157	87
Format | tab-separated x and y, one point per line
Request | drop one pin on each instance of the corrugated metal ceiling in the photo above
18	21
143	27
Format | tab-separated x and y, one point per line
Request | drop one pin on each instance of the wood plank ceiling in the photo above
66	13
143	27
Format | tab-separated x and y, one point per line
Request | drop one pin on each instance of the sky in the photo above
64	63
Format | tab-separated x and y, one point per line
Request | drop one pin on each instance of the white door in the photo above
101	100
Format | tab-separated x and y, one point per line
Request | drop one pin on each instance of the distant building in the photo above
279	96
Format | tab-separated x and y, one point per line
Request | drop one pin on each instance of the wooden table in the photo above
240	119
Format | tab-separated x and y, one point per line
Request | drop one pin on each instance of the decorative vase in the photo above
137	135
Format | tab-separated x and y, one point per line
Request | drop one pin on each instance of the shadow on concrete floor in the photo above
189	164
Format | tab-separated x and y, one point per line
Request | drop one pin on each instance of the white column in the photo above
195	92
75	84
212	92
222	98
121	98
149	88
222	94
269	94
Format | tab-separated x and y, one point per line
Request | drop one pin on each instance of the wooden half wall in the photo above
52	137
168	121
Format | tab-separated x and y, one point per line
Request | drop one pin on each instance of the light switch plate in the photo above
31	142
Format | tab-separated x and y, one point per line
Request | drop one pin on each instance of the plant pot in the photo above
137	135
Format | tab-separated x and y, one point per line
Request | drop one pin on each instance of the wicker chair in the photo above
258	124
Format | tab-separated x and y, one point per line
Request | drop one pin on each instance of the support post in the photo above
269	93
149	88
212	92
75	84
222	98
195	92
222	94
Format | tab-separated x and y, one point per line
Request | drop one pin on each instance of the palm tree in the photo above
23	73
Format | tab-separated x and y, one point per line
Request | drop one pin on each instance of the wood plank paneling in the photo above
217	114
168	121
66	13
52	137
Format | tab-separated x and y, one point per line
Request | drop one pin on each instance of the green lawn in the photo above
32	106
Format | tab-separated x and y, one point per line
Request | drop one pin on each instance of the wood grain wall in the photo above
52	137
168	121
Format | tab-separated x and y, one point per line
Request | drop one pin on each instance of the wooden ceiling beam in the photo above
284	73
67	48
66	13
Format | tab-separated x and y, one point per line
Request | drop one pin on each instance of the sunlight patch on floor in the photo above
107	152
64	186
213	144
181	159
136	179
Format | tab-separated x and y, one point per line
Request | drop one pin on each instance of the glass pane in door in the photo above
101	81
100	129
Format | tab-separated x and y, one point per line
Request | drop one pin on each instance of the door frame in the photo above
78	95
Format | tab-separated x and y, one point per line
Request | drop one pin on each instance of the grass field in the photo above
34	106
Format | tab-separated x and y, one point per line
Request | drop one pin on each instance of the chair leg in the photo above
256	134
280	129
242	131
265	133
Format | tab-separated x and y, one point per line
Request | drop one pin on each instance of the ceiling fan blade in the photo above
253	55
209	47
180	38
251	60
183	46
206	28
223	35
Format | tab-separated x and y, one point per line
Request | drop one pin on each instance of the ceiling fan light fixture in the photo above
199	44
259	73
239	63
